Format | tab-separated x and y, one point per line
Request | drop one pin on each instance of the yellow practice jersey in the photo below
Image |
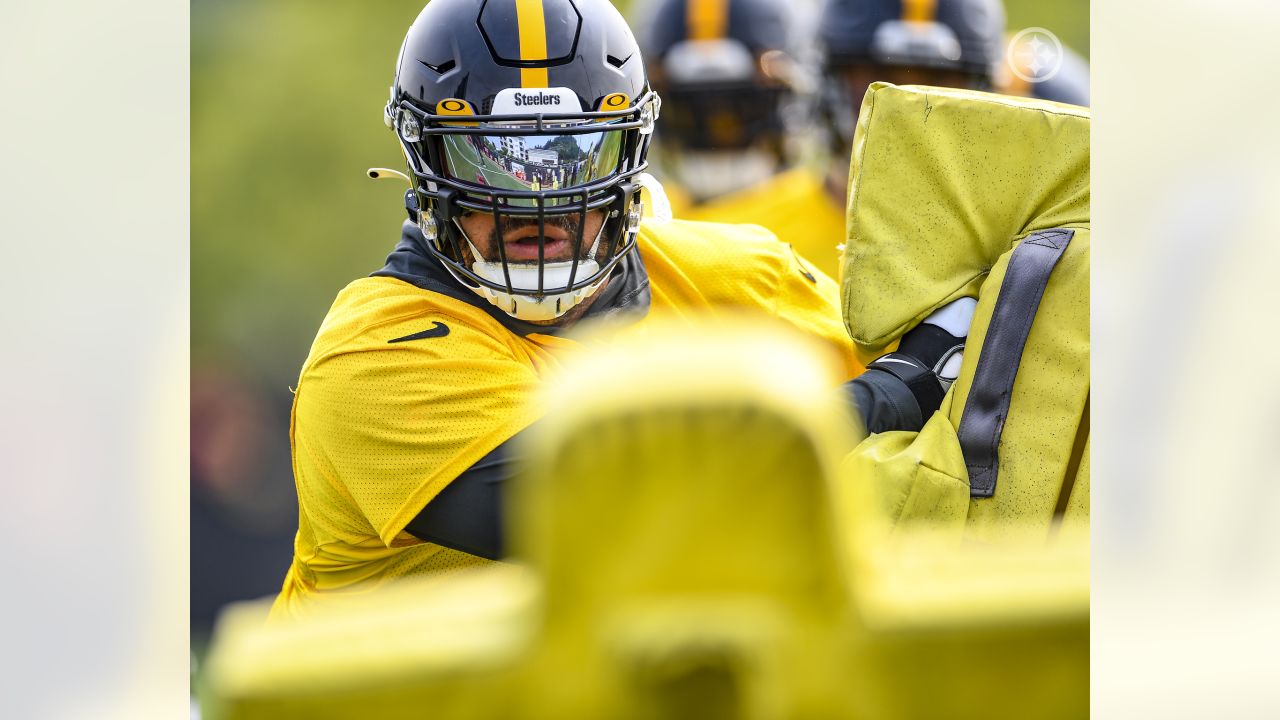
411	381
793	205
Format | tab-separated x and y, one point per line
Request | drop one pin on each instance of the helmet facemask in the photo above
558	187
567	248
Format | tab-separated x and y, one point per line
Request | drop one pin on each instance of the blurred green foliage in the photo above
286	115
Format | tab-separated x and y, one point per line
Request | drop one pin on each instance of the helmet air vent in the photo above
443	67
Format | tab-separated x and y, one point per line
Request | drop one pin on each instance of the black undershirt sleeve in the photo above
884	402
467	515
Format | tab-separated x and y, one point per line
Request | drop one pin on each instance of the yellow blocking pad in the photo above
922	478
1078	501
708	399
686	554
1049	396
942	182
678	511
449	638
981	631
993	629
976	630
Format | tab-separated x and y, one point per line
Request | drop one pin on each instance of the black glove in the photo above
924	359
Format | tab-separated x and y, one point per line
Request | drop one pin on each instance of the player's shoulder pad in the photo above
697	244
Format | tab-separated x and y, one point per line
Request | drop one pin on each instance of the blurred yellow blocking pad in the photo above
447	638
976	630
678	511
682	557
948	189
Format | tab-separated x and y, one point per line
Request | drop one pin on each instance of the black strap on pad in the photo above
988	404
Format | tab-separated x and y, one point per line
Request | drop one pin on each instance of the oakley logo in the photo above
538	99
439	330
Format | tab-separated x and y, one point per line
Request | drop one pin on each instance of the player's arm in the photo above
388	425
884	402
899	391
467	514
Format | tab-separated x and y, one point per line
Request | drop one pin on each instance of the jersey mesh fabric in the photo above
792	205
701	268
380	428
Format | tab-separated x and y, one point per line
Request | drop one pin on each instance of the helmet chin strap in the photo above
524	276
657	196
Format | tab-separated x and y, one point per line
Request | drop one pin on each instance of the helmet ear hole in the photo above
410	128
430	229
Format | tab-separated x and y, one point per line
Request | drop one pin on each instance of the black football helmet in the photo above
729	74
537	112
956	43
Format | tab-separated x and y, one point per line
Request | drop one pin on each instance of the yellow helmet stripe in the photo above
533	41
919	10
707	19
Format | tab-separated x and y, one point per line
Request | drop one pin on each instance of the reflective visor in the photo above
544	162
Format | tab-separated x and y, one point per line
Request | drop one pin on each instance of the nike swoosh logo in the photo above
440	330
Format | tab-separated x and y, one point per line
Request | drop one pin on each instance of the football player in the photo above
946	43
525	125
736	81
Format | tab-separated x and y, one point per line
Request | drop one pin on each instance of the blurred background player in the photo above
946	43
736	83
